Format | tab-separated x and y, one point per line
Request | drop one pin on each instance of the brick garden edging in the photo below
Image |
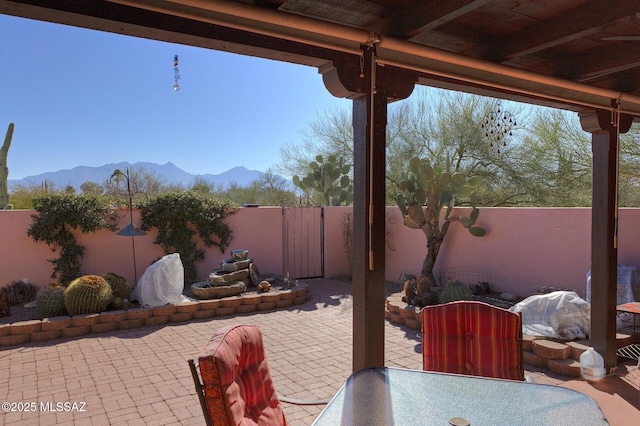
19	333
559	357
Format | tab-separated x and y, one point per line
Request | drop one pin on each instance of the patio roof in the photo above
565	53
579	55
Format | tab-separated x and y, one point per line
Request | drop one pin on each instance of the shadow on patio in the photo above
141	376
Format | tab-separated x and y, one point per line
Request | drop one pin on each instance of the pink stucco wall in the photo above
258	230
336	260
523	249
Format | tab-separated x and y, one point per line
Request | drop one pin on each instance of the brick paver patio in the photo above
141	376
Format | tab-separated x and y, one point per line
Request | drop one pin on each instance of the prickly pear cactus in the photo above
89	294
50	302
330	178
423	193
455	290
119	285
4	169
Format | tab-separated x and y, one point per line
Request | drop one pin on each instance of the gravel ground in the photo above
19	313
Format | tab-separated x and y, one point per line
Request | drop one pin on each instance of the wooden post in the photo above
369	235
371	87
604	251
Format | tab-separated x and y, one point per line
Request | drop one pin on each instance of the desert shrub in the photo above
21	292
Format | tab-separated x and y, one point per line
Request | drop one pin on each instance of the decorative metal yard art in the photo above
131	230
176	73
497	126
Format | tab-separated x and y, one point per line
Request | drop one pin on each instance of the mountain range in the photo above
168	173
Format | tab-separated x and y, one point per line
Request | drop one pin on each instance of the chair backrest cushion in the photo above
237	383
473	338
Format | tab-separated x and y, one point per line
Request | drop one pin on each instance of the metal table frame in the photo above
631	351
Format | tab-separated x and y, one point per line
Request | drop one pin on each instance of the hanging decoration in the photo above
497	127
176	73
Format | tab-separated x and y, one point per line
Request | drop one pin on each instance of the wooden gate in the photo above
304	245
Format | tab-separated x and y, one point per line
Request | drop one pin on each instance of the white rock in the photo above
509	296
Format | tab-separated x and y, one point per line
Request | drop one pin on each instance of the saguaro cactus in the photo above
422	194
4	169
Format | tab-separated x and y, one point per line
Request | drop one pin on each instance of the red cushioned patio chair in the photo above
472	338
236	387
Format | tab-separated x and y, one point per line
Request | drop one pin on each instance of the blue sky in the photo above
83	97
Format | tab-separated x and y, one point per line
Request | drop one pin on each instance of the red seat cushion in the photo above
237	383
472	338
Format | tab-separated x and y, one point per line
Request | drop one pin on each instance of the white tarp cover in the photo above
628	284
628	291
162	283
560	314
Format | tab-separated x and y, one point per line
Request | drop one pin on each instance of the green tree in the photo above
445	128
629	176
546	162
23	195
331	133
553	161
274	191
141	181
441	126
91	188
241	194
268	190
202	186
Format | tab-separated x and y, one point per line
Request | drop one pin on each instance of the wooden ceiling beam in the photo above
580	23
419	17
608	60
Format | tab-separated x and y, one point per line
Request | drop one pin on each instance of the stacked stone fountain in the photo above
235	274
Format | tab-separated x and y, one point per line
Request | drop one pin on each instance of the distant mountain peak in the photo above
168	172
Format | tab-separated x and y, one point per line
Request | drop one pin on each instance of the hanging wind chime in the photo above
497	126
176	73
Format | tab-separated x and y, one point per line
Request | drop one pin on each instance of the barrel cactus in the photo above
455	290
119	285
87	294
50	301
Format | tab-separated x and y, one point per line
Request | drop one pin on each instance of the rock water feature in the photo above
236	273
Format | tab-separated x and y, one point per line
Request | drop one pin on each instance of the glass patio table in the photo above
394	396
